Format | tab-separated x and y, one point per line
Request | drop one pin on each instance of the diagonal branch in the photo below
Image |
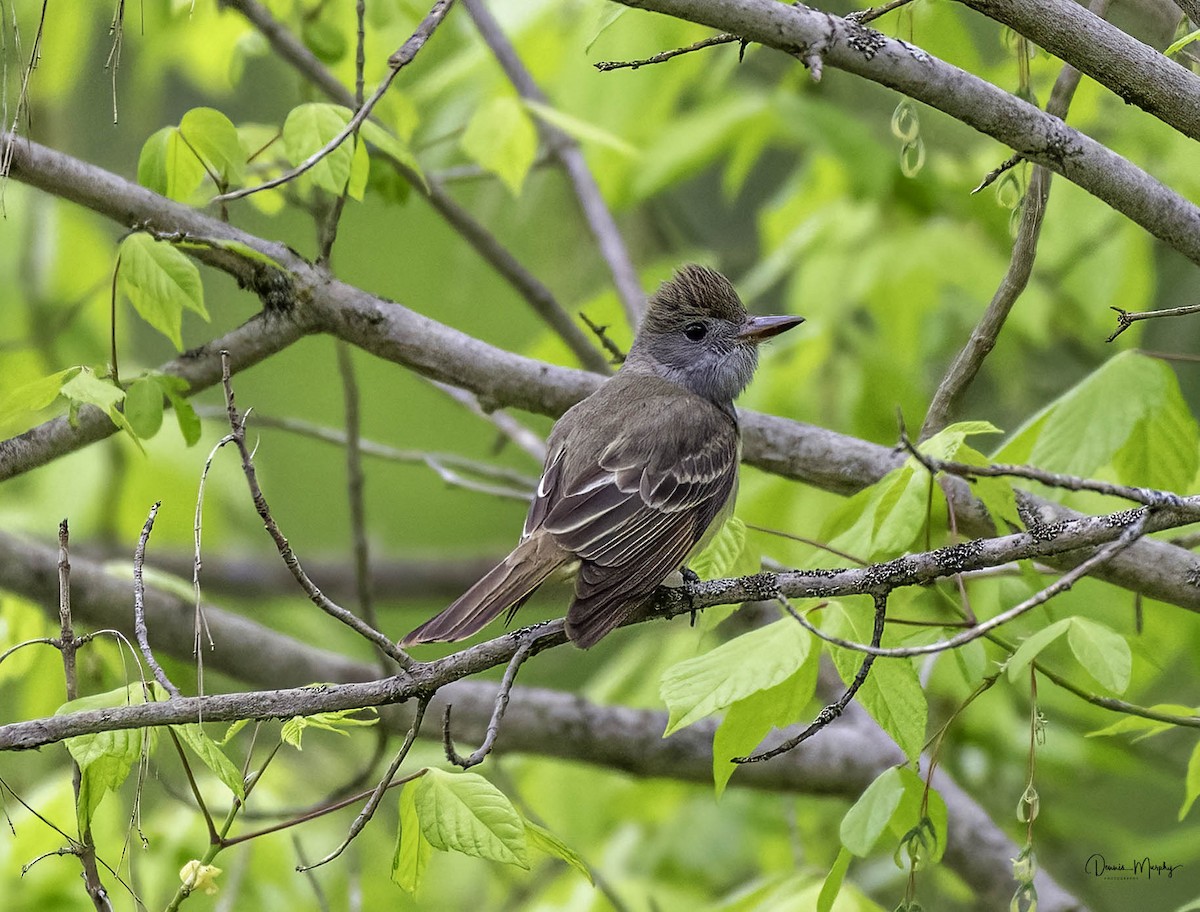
564	147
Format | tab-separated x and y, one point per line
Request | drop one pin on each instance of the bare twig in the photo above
992	176
872	13
523	437
139	604
564	147
493	729
601	333
368	811
605	65
400	59
827	715
1126	319
318	598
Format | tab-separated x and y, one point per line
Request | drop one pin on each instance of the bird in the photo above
639	475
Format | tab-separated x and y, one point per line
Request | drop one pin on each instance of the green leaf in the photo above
212	756
215	139
1104	653
360	170
728	554
35	395
1191	782
1182	43
1163	450
310	127
946	443
753	661
106	758
168	167
502	139
336	721
1035	643
144	407
833	881
390	145
412	848
749	720
466	813
908	816
996	494
174	388
892	692
867	820
541	838
881	521
160	282
1143	726
85	388
578	129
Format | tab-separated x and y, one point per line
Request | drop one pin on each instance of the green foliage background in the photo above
796	191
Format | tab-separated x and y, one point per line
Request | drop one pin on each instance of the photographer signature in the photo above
1097	866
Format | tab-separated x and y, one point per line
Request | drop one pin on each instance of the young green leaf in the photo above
360	170
1102	652
1143	726
892	692
1035	643
542	839
173	388
106	758
336	721
867	820
502	139
213	137
168	167
466	813
578	129
35	395
308	128
85	388
728	554
144	407
212	756
160	282
753	661
833	881
749	720
412	848
1191	783
390	145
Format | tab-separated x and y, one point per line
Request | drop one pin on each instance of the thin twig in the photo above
862	17
400	59
724	38
139	604
523	437
564	147
831	712
316	596
1126	319
493	727
994	175
1063	583
601	333
368	811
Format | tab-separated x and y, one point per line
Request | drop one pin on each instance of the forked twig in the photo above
493	728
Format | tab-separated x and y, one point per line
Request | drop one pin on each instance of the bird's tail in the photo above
505	586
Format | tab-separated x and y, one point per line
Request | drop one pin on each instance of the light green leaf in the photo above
106	758
578	129
215	139
390	145
881	521
833	881
35	395
1191	782
85	388
749	720
412	848
892	692
1163	450
168	167
144	407
541	838
360	170
466	813
753	661
212	756
1102	652
945	444
160	282
310	127
336	721
502	139
173	388
1143	726
908	815
1035	643
995	493
728	554
867	820
1183	42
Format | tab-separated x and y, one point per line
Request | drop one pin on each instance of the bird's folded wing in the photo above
633	517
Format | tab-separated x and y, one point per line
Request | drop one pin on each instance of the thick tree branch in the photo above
1038	136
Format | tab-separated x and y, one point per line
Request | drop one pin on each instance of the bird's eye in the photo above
695	331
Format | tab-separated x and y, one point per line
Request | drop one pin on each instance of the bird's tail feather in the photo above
505	586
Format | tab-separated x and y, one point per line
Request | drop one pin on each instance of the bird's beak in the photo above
757	329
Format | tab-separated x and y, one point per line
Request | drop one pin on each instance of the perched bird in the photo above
640	474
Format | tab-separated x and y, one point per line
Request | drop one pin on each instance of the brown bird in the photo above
640	474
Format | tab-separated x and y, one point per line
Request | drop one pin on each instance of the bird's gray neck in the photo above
716	383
